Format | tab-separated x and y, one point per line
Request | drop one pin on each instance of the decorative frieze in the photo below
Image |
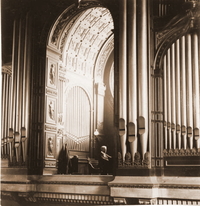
181	152
74	198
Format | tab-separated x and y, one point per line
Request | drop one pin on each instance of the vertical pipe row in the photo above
189	105
181	86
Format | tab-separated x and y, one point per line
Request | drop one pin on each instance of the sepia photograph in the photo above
100	102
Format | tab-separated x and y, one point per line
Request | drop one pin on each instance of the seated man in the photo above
104	161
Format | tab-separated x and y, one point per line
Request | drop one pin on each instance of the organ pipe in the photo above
165	101
198	141
14	75
183	93
6	114
132	78
3	104
18	69
122	76
189	91
178	102
169	99
173	105
195	71
142	74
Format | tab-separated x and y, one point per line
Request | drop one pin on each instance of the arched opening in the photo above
79	95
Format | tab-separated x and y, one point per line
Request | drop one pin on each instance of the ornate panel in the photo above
51	110
52	72
50	152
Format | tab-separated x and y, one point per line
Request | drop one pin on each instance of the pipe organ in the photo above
133	77
77	120
16	95
6	114
60	96
181	94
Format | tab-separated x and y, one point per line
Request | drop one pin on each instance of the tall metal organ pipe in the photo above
177	95
132	75
169	99
173	100
142	75
189	105
165	101
195	72
123	76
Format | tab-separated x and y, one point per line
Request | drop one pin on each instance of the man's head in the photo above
104	149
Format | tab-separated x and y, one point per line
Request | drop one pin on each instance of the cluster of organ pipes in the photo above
133	68
13	143
181	93
77	120
15	97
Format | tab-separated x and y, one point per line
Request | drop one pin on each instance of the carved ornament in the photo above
180	25
67	16
136	163
50	91
181	152
50	128
104	56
